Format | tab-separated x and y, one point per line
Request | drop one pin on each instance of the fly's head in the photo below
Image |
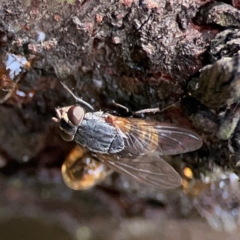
69	118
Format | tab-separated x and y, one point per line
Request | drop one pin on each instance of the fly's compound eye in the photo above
66	137
75	115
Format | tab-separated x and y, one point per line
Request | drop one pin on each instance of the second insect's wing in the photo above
154	171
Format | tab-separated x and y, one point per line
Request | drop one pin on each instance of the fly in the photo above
131	146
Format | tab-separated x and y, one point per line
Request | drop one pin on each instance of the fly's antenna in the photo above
77	99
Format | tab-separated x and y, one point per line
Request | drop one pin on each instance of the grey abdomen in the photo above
97	135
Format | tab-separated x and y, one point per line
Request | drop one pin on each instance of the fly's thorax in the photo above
69	119
98	135
97	116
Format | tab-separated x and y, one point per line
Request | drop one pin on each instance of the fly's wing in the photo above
154	171
145	137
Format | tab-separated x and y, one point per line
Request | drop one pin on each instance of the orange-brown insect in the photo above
129	146
81	171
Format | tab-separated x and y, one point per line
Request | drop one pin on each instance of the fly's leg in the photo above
147	110
143	111
154	110
120	106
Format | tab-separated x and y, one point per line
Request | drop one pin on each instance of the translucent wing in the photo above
154	171
145	137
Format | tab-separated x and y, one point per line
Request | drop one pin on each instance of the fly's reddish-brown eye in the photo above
66	137
75	115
